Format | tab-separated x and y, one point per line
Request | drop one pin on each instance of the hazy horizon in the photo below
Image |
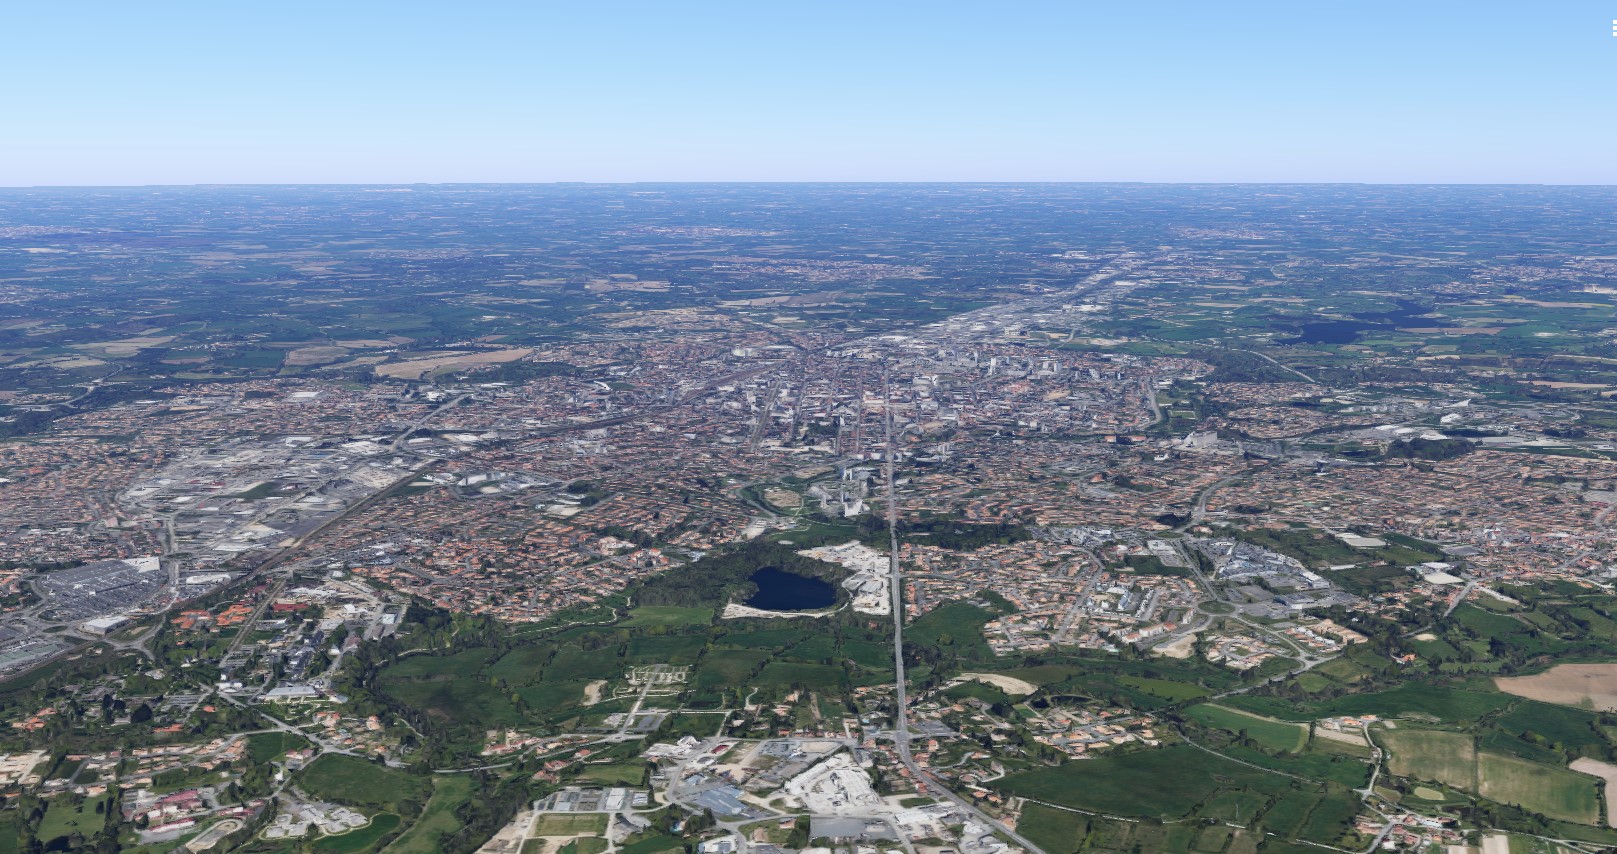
498	92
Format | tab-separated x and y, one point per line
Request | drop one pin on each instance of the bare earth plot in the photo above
413	368
1605	771
1009	684
1582	686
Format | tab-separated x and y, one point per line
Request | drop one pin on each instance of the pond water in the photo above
779	590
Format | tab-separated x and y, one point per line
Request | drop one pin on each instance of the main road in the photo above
895	583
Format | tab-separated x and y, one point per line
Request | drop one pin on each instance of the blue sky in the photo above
346	91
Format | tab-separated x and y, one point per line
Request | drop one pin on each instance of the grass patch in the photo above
1555	792
1436	701
762	639
550	698
1274	735
438	821
1554	726
791	674
667	615
869	655
820	649
1055	831
64	819
671	649
1164	688
573	663
727	667
523	664
1437	755
350	780
428	667
614	775
1166	783
265	746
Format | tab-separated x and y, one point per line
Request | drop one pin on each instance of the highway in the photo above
901	726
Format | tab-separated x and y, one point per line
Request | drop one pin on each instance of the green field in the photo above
574	663
667	649
521	664
1182	782
437	819
627	774
667	615
1555	726
1164	688
1555	792
439	666
64	819
819	648
265	746
1055	831
729	667
349	780
868	654
1438	755
957	626
564	824
1166	783
1412	699
548	698
762	639
788	674
1272	734
465	701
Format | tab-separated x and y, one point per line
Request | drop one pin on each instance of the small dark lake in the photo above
779	590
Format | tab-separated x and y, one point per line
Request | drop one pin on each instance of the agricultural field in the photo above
1437	755
1451	758
1581	686
1175	783
1555	792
